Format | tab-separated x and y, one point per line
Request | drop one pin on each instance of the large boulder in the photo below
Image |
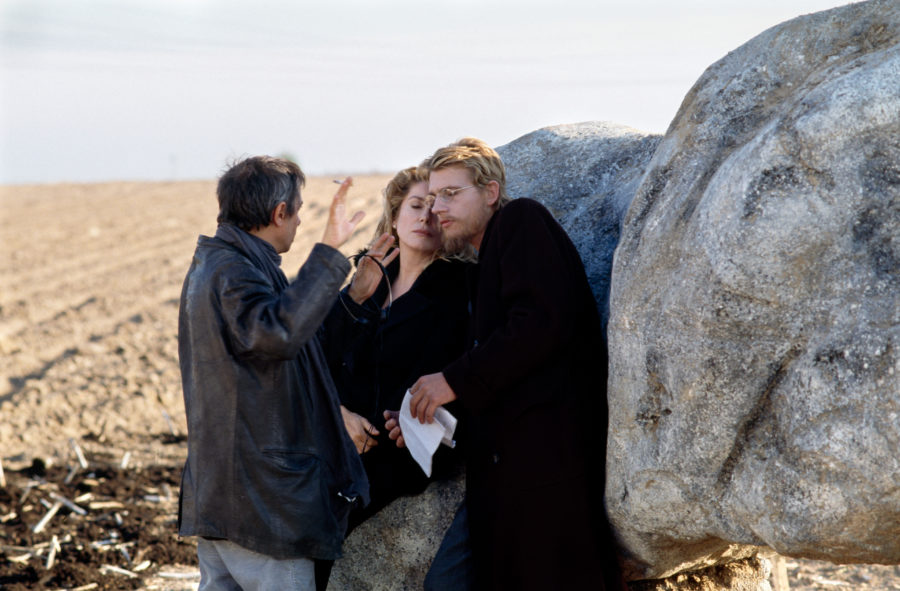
586	174
755	309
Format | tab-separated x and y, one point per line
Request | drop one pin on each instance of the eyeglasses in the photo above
445	196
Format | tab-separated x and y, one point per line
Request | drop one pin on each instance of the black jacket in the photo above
534	384
270	466
375	357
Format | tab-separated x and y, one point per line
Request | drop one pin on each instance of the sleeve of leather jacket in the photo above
265	324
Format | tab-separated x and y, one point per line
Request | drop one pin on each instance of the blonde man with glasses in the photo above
533	382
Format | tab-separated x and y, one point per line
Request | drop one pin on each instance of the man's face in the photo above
463	210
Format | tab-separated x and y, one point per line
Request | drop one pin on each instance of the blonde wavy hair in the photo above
478	157
394	193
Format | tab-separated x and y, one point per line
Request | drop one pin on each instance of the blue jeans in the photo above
225	566
451	569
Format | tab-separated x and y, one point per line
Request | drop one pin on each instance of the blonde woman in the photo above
386	331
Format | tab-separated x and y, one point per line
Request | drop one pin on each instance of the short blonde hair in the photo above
478	157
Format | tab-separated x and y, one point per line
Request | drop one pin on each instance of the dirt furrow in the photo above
90	274
36	348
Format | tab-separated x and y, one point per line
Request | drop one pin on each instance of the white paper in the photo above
422	440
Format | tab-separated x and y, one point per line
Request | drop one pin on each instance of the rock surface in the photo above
586	174
393	549
755	308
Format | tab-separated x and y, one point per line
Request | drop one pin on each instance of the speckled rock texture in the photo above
586	174
393	549
755	309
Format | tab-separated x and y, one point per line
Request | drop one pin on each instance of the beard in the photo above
464	230
454	245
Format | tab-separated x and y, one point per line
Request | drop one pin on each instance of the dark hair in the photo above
250	191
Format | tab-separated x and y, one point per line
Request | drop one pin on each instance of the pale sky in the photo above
94	90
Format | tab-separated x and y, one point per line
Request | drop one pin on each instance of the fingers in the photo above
368	275
428	393
396	435
381	244
370	432
342	190
357	217
417	394
421	400
390	257
430	410
378	249
369	427
338	228
426	410
337	202
392	424
361	431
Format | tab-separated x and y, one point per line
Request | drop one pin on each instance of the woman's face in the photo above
417	228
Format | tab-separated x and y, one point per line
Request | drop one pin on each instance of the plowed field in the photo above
89	287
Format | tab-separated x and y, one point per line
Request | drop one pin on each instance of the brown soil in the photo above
89	287
127	523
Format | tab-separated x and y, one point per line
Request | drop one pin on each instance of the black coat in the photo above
534	383
377	356
269	464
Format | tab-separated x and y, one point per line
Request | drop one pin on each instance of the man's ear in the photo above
279	214
493	193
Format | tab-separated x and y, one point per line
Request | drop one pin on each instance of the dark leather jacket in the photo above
270	466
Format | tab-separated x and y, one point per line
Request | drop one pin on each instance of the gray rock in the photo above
755	308
392	551
586	174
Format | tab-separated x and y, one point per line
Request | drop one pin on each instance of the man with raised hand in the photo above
271	472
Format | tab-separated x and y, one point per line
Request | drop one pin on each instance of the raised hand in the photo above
338	228
368	275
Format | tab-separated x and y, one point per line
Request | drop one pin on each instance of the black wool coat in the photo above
375	355
534	383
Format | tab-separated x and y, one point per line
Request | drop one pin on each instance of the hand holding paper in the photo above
423	439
